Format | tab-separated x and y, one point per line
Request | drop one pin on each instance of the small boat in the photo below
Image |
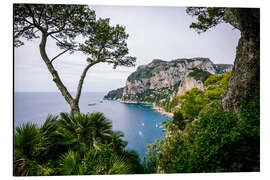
93	104
140	133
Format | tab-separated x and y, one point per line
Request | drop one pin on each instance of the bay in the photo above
139	122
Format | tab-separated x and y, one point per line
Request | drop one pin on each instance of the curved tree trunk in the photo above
79	88
244	84
74	107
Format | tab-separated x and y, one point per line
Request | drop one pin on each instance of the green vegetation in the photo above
192	101
215	141
72	144
145	72
114	94
207	17
157	96
195	98
199	74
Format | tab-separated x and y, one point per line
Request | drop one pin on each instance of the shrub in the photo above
192	101
178	119
220	80
213	92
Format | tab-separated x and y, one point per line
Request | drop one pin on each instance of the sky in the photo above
154	33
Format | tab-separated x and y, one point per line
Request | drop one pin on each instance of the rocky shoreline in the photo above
162	111
156	108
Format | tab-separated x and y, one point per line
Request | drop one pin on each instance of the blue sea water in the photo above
139	122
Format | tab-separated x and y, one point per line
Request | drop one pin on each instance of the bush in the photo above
178	119
192	101
213	92
220	80
212	107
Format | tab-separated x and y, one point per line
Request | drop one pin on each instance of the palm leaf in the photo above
25	139
69	163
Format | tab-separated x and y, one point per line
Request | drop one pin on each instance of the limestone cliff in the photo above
189	82
163	74
162	80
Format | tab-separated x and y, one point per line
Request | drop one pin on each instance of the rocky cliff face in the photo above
161	74
188	83
161	80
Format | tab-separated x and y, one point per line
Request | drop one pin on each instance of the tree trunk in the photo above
79	88
244	83
73	105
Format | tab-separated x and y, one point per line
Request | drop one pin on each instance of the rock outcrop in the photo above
162	80
188	83
162	74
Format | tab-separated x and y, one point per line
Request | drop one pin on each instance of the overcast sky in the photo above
154	32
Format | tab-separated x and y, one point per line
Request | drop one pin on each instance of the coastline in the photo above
162	111
154	107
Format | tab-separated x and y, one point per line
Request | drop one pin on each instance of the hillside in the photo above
160	81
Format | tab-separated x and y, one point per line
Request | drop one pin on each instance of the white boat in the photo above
140	133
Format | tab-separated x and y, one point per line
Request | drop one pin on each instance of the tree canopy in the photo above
207	17
64	22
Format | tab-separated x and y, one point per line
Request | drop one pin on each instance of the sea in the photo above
140	123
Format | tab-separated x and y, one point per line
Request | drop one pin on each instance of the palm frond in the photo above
25	139
69	163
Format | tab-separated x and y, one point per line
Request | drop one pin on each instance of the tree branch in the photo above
56	39
60	54
79	88
29	22
40	15
59	30
20	32
63	26
32	15
35	23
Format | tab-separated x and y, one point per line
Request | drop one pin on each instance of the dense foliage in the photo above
114	94
72	144
207	138
199	74
207	17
